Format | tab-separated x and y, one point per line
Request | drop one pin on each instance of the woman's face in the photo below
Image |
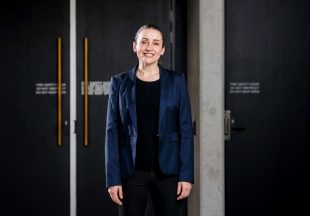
149	46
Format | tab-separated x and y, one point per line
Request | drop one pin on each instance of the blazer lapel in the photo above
163	95
130	86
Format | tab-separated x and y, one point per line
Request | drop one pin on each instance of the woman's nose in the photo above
149	47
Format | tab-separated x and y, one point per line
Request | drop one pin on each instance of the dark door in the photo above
267	92
109	27
34	176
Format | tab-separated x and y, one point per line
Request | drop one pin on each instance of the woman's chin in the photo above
148	62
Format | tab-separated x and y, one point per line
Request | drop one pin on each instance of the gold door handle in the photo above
59	111
86	91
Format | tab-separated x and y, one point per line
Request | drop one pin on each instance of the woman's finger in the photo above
179	188
120	192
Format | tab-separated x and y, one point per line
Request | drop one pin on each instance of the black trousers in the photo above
162	190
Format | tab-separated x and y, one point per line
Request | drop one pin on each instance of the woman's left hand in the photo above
183	190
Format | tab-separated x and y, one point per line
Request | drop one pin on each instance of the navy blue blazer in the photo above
175	131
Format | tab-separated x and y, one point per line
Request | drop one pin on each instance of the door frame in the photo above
73	116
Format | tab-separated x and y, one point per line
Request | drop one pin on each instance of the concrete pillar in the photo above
206	84
211	104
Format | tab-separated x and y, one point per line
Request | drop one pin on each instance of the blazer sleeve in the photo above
186	135
112	167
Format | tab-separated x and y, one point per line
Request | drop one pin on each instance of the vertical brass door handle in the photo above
86	91
59	111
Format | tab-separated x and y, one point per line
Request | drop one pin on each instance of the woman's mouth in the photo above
148	54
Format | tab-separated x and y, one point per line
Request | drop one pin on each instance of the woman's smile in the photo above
149	54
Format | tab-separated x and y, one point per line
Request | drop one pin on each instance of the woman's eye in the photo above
143	42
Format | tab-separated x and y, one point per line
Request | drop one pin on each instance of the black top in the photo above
147	99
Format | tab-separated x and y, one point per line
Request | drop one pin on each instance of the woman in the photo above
149	139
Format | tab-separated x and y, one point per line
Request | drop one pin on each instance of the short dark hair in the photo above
150	26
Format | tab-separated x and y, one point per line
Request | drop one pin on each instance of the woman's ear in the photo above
134	47
162	51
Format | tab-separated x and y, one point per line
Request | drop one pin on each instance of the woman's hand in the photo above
116	193
183	190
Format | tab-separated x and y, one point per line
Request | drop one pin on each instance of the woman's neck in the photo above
148	70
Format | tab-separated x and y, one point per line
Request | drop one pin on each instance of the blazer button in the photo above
159	134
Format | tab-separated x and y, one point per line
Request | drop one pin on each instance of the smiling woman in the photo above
141	158
149	47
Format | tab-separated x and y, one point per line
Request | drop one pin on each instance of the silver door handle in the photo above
227	125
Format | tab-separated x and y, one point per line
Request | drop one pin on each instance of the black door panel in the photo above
34	169
110	28
267	76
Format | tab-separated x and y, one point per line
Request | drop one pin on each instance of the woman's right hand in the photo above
116	194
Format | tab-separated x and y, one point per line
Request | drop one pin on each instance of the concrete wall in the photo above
206	85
